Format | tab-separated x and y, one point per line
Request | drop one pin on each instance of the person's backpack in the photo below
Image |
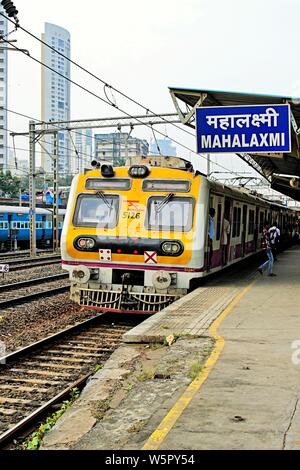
273	235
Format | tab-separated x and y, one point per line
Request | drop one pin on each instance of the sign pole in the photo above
208	165
32	189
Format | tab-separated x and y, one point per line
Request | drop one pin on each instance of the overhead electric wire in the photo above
104	82
99	97
45	142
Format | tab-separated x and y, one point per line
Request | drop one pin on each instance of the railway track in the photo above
33	379
21	292
26	263
22	254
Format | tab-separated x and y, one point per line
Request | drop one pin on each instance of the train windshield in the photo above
170	213
100	210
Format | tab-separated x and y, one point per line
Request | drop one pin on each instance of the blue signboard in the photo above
251	129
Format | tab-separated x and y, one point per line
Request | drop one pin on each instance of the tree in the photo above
9	185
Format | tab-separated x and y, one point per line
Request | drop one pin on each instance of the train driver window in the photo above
97	211
170	213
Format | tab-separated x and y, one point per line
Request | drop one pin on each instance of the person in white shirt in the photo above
211	236
274	236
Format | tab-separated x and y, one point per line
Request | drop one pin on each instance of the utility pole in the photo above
32	189
208	165
55	193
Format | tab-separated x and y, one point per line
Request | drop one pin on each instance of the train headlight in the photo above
86	243
139	171
171	248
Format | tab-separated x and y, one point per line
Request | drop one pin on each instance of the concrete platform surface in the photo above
250	399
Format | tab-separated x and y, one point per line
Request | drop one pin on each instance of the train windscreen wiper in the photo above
102	196
164	202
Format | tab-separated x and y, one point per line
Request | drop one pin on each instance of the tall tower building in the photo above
56	94
4	166
84	145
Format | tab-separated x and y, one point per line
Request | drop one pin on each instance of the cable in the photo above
45	142
121	110
76	151
15	153
158	148
106	85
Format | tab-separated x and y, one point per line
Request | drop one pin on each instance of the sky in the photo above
144	47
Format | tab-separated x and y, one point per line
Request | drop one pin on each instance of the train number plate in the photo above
105	255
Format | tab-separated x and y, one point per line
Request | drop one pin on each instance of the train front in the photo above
129	239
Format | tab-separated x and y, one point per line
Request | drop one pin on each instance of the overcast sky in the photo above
143	47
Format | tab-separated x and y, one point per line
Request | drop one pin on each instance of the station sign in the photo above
250	129
4	268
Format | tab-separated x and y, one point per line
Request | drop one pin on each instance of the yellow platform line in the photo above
161	432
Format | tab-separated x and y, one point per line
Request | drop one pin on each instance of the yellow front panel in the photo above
132	213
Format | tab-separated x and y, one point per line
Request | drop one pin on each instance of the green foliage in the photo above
195	370
9	185
35	440
98	367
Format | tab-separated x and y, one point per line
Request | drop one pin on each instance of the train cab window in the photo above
102	184
170	213
237	211
183	186
100	210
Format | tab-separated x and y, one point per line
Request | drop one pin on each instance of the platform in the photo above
230	381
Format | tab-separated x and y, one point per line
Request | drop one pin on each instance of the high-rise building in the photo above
4	166
84	145
56	94
166	148
117	146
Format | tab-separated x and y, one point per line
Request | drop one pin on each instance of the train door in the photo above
227	230
209	245
244	230
256	229
43	229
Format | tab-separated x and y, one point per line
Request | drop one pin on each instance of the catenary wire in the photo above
111	104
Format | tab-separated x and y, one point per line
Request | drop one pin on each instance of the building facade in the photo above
116	147
84	145
166	147
4	164
56	95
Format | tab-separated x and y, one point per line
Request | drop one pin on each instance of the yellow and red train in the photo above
135	237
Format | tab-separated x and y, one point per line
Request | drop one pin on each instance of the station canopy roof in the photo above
287	165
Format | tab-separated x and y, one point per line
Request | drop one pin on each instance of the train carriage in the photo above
15	227
135	237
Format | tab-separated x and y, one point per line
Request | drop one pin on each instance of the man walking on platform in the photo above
266	245
274	235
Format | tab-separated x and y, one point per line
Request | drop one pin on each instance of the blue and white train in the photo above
15	227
